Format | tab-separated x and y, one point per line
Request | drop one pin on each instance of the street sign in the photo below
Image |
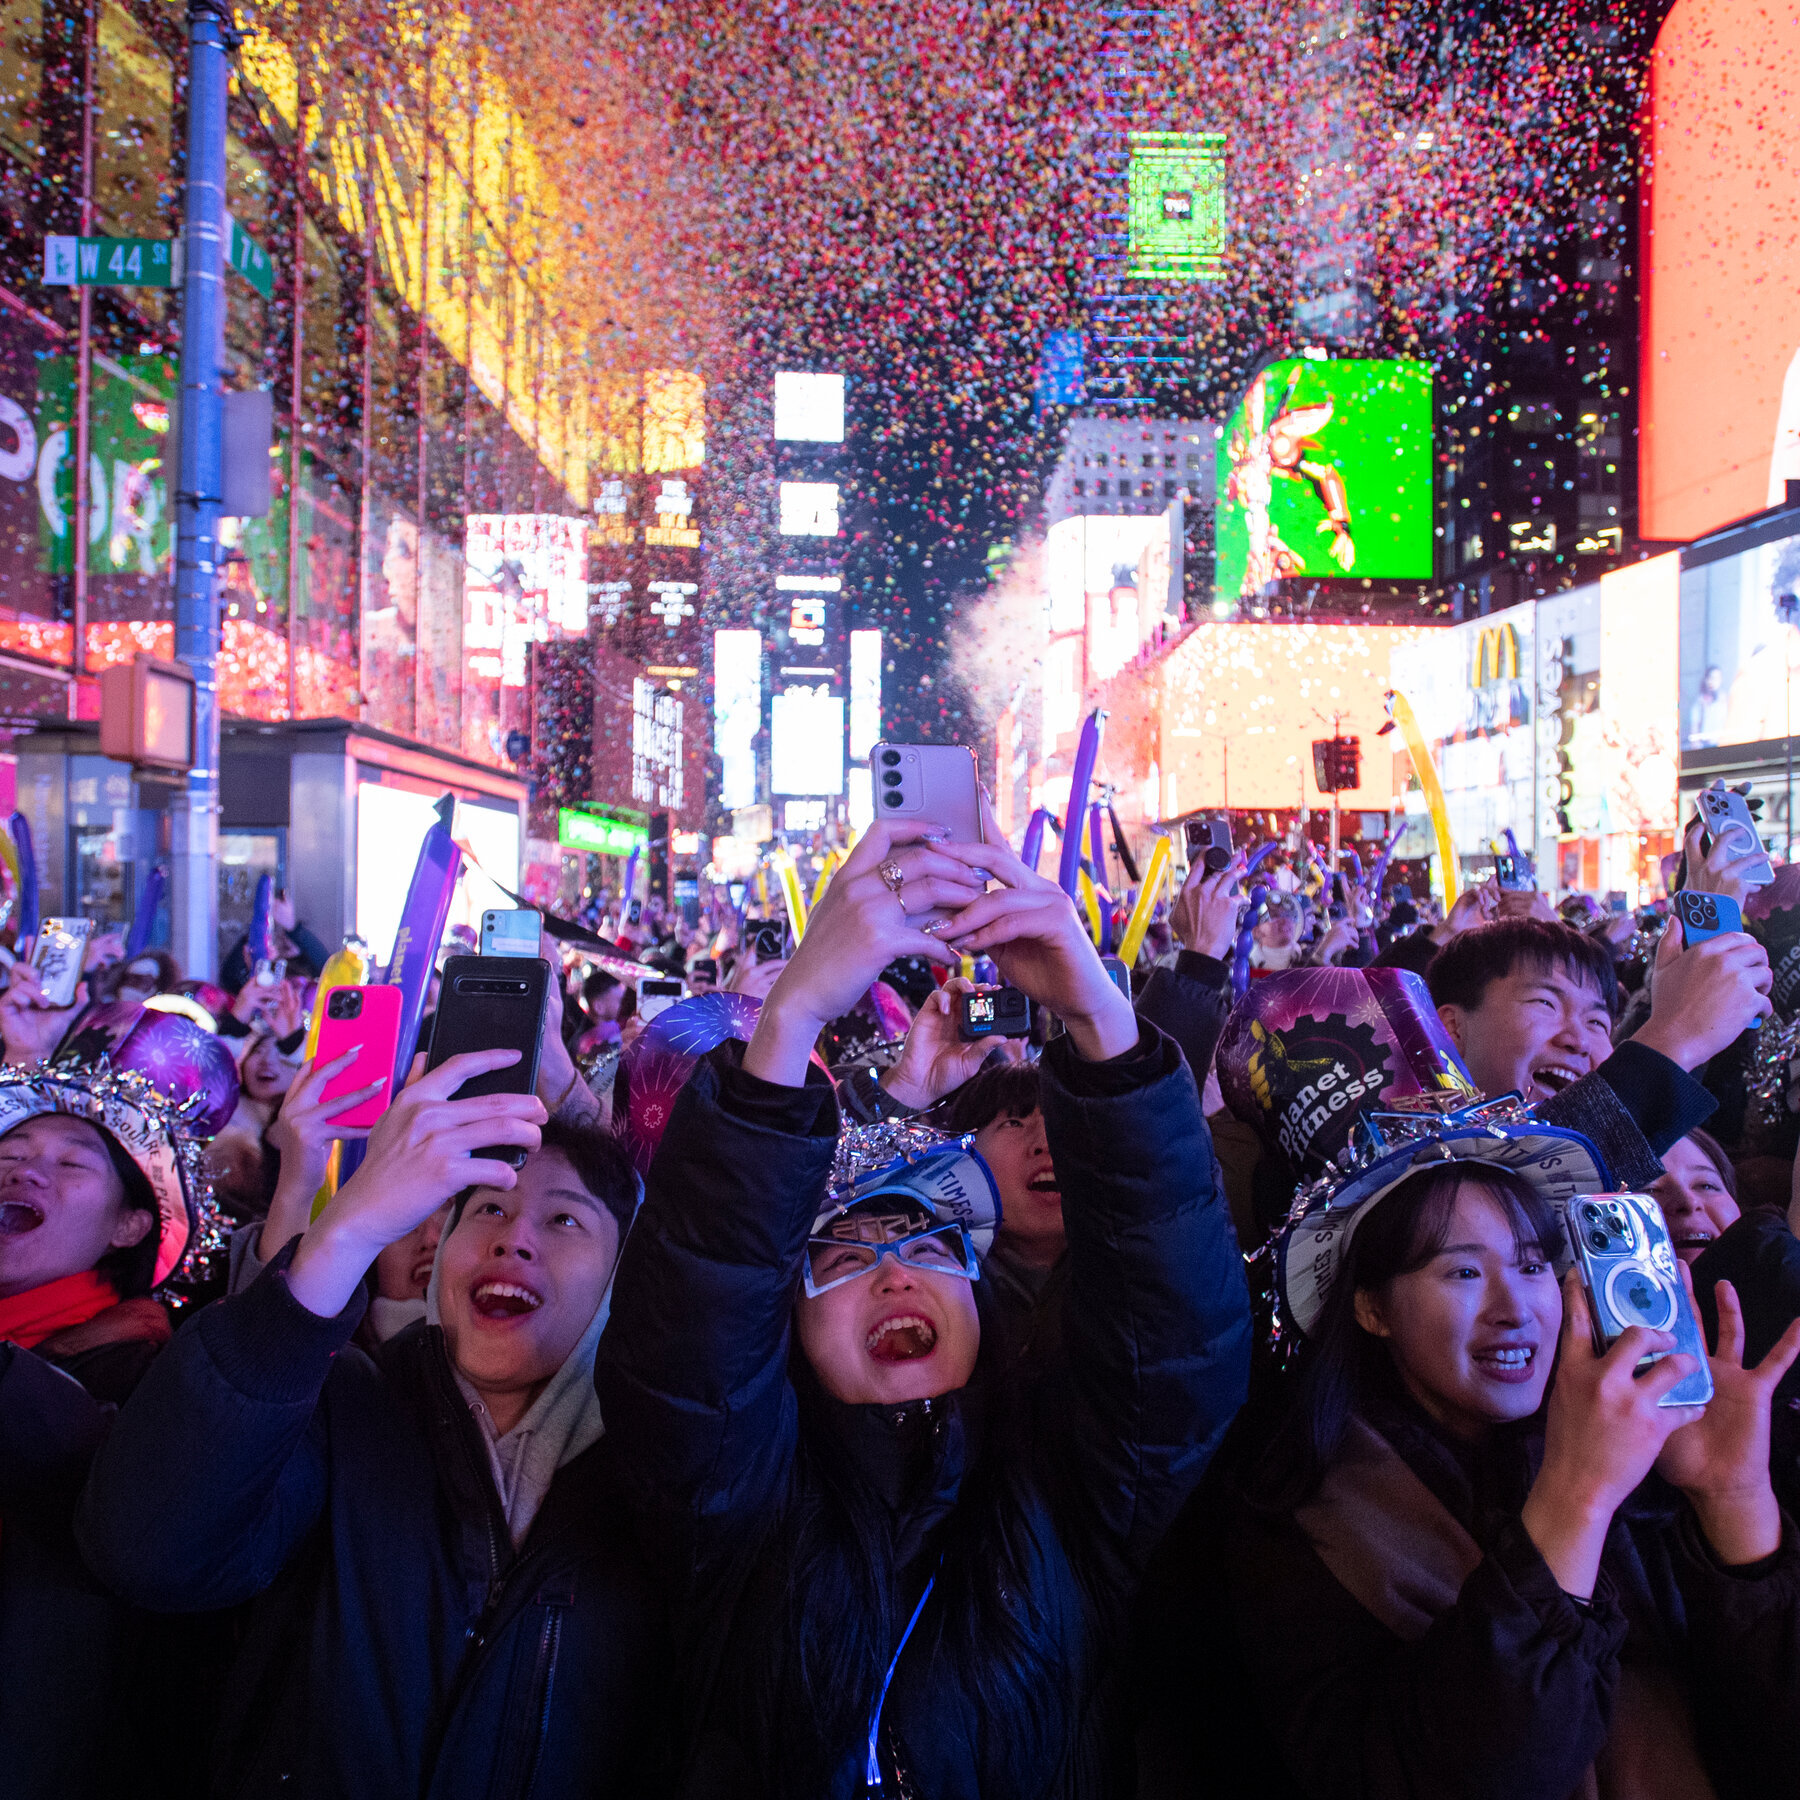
249	258
110	262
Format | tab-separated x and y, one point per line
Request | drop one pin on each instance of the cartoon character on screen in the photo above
1280	447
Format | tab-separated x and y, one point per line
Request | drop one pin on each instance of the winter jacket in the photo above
1636	1105
1275	1678
723	1443
72	1653
1190	1002
398	1645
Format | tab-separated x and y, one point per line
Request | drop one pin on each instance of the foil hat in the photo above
1305	1052
916	1169
161	1087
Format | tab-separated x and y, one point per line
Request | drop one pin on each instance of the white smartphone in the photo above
58	956
656	994
514	933
1725	812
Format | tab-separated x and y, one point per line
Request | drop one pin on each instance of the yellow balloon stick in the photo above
343	968
1133	941
1400	710
830	868
9	854
789	877
1090	902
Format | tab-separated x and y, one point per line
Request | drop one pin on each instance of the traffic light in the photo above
1337	764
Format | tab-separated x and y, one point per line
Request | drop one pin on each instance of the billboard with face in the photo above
1324	469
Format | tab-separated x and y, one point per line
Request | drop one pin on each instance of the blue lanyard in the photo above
872	1772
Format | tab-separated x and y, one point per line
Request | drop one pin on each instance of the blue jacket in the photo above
398	1645
731	1455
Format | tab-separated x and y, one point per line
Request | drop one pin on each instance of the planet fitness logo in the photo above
1314	1087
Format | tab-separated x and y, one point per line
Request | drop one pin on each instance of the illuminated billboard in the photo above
1324	469
525	573
809	509
1175	205
737	713
1720	374
809	409
865	693
1111	578
1740	646
656	771
806	741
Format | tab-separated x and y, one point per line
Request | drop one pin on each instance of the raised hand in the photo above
858	928
1205	915
303	1133
421	1152
30	1027
1721	1460
935	1060
1725	868
1702	999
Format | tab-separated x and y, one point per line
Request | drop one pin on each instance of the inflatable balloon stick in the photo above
1089	902
149	903
343	968
1401	713
1102	887
1148	895
1087	753
20	834
1033	847
1387	856
789	877
830	868
259	939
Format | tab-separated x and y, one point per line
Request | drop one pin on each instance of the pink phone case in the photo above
376	1033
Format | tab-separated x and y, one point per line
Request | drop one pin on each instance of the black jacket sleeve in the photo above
1760	1257
1157	1320
216	1467
50	1427
1507	1694
692	1368
1190	1003
1634	1107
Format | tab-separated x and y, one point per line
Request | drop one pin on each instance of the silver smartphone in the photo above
656	994
58	955
1627	1262
1726	813
935	784
516	933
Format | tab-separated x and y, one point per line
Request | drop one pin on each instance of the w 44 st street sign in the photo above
111	262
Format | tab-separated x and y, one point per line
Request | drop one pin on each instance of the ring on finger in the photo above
895	877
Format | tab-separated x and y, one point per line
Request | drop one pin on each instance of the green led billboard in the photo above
1176	205
1325	470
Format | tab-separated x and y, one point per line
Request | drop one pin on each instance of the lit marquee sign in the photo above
809	509
737	713
612	513
656	777
1175	206
806	741
806	623
672	601
525	574
674	528
809	409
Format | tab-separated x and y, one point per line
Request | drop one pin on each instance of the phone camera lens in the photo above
1598	1239
891	758
890	799
1590	1211
891	779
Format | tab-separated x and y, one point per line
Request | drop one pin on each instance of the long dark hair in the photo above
986	1638
1343	1366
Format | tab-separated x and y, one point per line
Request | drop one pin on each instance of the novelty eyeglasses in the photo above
939	1250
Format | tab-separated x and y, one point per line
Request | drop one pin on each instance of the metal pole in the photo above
195	821
420	672
84	378
296	413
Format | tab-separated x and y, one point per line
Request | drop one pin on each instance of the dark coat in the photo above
1272	1678
399	1645
725	1446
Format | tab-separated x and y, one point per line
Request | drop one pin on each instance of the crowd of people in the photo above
900	1413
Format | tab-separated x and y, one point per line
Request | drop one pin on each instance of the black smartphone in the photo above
766	939
1000	1012
1118	974
493	1003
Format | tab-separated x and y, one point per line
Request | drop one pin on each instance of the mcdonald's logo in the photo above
1496	655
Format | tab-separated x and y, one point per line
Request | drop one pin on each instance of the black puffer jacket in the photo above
399	1645
728	1451
1265	1674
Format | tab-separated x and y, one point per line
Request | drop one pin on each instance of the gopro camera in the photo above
1001	1012
1208	841
766	939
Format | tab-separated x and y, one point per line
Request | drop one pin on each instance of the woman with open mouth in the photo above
898	1572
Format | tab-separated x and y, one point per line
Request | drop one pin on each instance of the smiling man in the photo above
1529	1004
445	1600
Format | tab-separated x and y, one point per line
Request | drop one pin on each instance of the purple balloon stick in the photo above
1240	962
1033	846
1087	753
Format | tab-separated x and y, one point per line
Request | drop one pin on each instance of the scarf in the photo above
40	1312
388	1318
1404	1556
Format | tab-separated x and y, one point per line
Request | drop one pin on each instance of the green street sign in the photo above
249	258
589	831
110	262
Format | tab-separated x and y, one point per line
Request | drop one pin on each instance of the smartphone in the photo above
656	994
634	913
57	956
1118	974
1723	811
1002	1012
938	784
766	939
269	970
493	1003
519	932
1706	916
703	971
1513	874
366	1019
1208	840
1627	1261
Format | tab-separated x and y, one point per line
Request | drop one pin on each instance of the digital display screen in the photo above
1176	205
865	693
737	713
809	509
806	748
981	1009
1110	575
809	409
1324	469
1740	646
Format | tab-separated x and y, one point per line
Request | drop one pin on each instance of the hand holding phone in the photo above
365	1020
933	784
493	1003
58	957
656	994
1727	813
1208	840
1706	916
